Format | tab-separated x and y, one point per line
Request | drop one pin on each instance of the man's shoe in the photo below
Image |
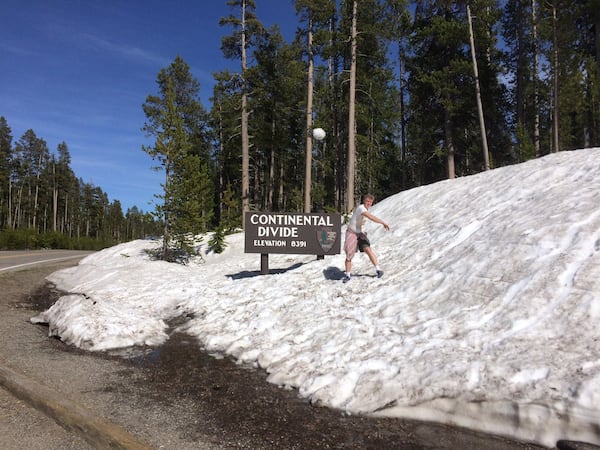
346	279
379	273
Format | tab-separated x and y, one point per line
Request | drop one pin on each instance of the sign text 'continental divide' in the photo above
317	234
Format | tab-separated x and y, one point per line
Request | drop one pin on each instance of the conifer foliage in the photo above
409	92
176	119
44	205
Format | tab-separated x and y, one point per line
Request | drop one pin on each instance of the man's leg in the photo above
350	250
371	254
347	272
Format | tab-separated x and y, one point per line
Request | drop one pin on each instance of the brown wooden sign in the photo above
293	233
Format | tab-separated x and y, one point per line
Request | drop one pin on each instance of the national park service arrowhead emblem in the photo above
326	238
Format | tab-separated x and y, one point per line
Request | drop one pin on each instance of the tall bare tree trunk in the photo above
55	209
166	213
309	101
536	100
54	200
258	173
281	180
521	74
37	192
9	217
18	212
221	152
486	156
402	114
555	134
597	29
35	205
333	69
449	143
351	115
67	225
245	138
271	192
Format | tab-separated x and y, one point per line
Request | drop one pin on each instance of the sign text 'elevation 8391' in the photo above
293	233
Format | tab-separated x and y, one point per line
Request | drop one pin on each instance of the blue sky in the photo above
79	72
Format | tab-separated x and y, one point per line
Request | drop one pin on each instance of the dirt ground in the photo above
178	397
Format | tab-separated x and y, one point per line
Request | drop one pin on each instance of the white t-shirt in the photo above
357	220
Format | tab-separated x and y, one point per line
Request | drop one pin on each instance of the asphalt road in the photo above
22	259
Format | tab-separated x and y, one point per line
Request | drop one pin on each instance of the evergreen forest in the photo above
409	92
44	205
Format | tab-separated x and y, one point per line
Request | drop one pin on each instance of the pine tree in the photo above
277	83
31	158
174	119
376	110
444	123
63	180
5	181
223	119
396	25
246	27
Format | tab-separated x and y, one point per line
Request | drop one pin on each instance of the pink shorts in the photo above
350	244
353	242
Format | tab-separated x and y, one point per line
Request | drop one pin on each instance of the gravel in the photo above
178	397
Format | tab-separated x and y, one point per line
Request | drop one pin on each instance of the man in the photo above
357	238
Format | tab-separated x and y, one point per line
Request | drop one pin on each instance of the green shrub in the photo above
217	241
